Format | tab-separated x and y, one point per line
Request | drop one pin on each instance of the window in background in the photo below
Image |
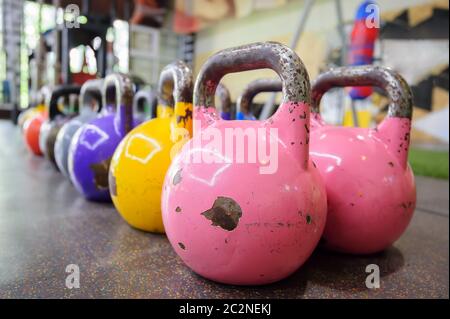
31	22
82	60
33	26
121	45
24	75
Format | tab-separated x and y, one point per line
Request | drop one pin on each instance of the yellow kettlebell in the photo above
140	162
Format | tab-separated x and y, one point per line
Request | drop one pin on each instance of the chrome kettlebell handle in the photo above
92	88
124	90
175	84
398	90
245	100
272	55
145	95
61	90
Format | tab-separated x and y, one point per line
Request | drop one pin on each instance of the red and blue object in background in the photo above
362	45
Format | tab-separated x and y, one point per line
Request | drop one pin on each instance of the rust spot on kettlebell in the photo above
101	173
177	178
407	136
303	117
185	118
225	213
182	246
307	128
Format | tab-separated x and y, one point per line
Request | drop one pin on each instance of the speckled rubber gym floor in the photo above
45	226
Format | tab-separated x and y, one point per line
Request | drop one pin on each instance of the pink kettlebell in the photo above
370	186
253	221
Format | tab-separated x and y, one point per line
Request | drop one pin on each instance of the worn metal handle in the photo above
245	100
224	96
91	88
62	90
398	90
124	90
175	84
278	57
145	95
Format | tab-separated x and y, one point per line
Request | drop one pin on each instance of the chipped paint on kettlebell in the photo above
239	226
224	213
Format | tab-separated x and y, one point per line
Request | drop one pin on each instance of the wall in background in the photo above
279	25
320	39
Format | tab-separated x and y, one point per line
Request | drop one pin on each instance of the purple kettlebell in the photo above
94	143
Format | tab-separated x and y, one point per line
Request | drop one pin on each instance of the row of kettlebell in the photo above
352	187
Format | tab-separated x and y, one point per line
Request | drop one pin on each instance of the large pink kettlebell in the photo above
370	186
234	216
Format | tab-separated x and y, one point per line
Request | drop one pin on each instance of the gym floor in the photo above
45	226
